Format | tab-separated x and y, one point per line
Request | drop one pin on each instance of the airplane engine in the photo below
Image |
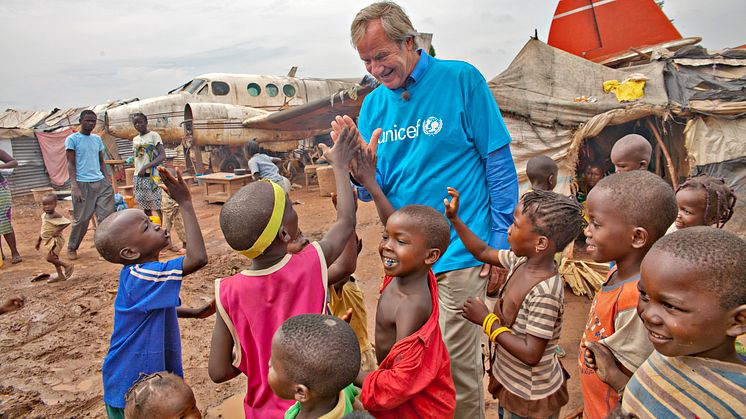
218	124
164	117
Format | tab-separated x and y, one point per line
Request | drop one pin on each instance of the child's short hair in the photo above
49	196
139	115
719	198
141	400
643	198
245	215
539	168
322	352
717	255
251	147
635	146
432	223
557	217
107	243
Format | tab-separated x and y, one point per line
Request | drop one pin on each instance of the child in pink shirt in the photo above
259	222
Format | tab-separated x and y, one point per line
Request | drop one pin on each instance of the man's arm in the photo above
502	182
102	165
220	362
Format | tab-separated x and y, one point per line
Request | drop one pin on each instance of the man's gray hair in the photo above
396	24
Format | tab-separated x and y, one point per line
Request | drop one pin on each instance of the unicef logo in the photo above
432	125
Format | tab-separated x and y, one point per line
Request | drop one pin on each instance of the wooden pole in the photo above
671	168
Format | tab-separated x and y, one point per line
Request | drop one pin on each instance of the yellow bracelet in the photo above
496	333
486	320
491	322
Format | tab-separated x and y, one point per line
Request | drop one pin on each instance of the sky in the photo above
85	52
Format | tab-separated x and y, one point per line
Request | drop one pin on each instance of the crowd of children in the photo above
659	340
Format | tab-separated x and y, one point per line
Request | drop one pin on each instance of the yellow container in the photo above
155	219
130	200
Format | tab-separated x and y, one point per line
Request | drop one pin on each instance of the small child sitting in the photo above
52	224
160	395
260	222
704	201
314	360
693	306
529	379
413	378
542	173
263	166
631	152
628	213
146	337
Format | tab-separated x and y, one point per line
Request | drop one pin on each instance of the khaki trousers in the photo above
463	338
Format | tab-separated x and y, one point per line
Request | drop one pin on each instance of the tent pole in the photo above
671	169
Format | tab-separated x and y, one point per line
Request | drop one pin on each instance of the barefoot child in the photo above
628	213
530	381
693	306
259	222
146	337
704	201
160	395
314	360
631	152
52	224
542	173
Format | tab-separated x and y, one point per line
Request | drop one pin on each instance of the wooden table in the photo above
228	182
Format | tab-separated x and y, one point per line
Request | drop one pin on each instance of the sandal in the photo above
69	271
40	277
55	278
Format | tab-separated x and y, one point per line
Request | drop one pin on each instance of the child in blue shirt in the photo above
146	337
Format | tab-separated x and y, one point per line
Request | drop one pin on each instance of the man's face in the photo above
386	60
87	123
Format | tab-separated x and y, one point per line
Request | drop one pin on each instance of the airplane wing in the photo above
317	114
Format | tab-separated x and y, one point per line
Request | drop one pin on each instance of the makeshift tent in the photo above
17	138
554	104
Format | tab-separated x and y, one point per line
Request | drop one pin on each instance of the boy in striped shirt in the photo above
146	336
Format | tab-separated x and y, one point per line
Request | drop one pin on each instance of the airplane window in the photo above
289	90
194	85
272	90
220	88
254	89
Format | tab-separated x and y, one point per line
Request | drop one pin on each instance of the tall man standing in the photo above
92	193
437	125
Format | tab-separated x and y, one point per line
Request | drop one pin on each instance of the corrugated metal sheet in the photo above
124	146
30	172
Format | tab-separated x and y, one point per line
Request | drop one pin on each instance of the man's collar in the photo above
419	70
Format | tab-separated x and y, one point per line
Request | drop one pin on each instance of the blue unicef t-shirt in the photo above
440	137
146	336
87	149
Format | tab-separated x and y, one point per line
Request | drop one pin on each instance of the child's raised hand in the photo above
344	149
451	207
364	166
475	310
176	188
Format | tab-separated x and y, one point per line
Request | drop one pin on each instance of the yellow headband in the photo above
273	225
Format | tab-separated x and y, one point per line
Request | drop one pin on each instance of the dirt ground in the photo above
51	350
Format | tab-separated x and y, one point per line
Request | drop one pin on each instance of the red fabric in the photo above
52	146
414	381
599	399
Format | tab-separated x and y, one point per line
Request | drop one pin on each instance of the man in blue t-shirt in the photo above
436	124
92	193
